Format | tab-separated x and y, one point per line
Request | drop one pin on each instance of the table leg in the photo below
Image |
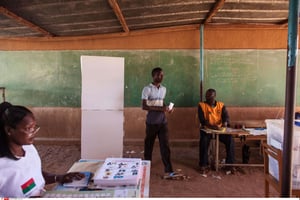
217	152
212	151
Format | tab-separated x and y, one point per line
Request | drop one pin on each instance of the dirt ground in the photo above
245	182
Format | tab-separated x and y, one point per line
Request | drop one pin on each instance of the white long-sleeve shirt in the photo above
23	177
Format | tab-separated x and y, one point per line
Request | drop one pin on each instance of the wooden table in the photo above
245	133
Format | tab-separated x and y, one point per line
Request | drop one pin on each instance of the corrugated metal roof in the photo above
64	18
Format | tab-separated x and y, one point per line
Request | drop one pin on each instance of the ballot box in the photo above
275	131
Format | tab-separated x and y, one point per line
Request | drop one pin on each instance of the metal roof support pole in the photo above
292	50
201	60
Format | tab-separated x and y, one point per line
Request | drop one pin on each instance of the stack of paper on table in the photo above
257	131
119	172
80	183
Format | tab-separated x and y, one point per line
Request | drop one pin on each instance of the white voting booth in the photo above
102	103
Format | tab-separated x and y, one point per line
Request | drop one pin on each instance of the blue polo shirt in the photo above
155	97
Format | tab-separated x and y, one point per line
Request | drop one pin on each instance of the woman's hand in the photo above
69	177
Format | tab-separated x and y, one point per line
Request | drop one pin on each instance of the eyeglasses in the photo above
32	130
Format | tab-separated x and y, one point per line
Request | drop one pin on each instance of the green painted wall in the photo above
241	77
53	78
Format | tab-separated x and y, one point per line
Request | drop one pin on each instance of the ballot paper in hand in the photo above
171	106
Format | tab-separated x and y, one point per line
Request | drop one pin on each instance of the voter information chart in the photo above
119	172
141	190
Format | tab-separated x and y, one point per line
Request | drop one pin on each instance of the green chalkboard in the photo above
248	77
181	76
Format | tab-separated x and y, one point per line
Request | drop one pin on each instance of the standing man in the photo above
213	114
156	122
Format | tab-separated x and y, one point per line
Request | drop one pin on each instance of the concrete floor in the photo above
246	182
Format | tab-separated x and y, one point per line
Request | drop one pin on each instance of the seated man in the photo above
213	114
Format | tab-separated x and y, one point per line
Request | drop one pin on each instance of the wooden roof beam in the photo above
115	6
284	23
23	21
217	6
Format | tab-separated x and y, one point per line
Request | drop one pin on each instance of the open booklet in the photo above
80	183
119	172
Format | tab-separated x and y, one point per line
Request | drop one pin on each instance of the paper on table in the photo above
254	131
89	165
119	172
80	183
208	130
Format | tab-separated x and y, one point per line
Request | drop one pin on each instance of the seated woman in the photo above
21	171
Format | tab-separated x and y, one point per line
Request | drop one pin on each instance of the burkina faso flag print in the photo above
28	185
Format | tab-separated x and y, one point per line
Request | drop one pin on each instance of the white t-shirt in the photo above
155	97
23	177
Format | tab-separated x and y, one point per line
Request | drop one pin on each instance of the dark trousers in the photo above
161	131
204	144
